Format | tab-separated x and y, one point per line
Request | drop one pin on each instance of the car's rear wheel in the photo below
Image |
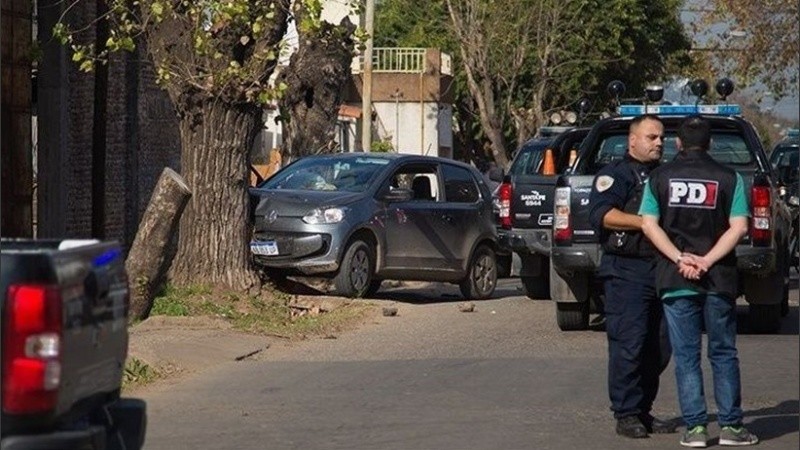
765	318
481	278
537	288
572	316
356	270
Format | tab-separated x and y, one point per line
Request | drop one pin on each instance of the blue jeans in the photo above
685	316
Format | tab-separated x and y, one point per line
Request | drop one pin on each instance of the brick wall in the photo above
142	139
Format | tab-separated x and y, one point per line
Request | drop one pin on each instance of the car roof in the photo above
398	157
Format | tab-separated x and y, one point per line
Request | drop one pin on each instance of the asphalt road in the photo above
433	377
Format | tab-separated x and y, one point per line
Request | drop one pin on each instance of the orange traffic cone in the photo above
573	155
549	164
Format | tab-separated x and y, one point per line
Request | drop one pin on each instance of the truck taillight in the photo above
562	228
504	194
31	349
760	223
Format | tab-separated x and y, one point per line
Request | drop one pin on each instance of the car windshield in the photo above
726	148
328	174
786	155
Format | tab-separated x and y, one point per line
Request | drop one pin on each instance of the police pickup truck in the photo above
525	199
763	255
64	342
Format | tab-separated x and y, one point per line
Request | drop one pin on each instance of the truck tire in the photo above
482	275
356	270
765	319
572	316
537	288
504	265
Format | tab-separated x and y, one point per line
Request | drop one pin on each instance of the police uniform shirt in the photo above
650	207
619	185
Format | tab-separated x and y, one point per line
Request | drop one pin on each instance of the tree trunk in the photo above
148	259
214	231
316	78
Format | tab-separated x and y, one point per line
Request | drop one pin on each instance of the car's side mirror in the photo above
496	174
396	195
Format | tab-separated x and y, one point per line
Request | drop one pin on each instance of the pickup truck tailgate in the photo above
532	201
90	282
582	231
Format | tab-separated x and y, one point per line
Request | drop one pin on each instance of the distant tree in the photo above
517	61
759	41
525	58
314	82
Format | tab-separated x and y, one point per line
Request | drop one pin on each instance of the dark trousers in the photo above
638	343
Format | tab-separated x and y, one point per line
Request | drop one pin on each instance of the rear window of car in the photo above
726	148
529	158
328	174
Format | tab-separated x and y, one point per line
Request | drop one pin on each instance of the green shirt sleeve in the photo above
649	206
739	207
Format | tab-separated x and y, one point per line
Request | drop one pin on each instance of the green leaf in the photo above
157	9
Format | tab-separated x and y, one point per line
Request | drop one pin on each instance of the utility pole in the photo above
366	89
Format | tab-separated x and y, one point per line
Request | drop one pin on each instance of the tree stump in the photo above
149	258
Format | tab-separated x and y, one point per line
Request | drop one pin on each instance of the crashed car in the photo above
362	218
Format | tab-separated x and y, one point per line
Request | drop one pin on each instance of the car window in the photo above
726	148
328	174
459	185
421	178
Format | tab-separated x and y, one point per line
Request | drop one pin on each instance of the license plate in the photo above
266	248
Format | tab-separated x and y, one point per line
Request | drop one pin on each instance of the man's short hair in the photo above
639	119
695	133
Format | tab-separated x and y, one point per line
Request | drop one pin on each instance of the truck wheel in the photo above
482	275
786	277
504	265
355	272
537	288
765	318
572	316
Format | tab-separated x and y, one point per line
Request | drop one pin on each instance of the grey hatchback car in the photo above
361	218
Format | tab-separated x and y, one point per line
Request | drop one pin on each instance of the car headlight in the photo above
325	215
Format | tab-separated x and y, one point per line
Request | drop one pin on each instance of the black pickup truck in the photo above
64	344
763	255
525	205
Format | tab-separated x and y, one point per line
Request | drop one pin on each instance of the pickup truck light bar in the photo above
679	110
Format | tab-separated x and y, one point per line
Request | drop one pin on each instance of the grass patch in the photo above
267	313
138	373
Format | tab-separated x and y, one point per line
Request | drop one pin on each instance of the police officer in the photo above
695	212
638	346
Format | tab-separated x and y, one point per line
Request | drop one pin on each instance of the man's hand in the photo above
692	266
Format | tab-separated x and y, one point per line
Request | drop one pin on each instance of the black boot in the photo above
657	426
631	427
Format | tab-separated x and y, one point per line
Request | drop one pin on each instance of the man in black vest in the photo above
695	212
638	346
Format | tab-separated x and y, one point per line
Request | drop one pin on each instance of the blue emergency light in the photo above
679	110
